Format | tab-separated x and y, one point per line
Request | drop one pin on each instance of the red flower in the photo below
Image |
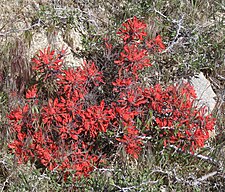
122	82
31	92
158	41
132	54
16	114
133	29
156	44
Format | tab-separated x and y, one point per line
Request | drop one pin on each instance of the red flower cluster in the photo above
133	29
65	131
60	132
176	117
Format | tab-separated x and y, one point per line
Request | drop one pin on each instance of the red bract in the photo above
108	45
156	44
90	72
132	145
96	119
131	54
32	92
158	41
47	60
122	82
133	59
47	63
132	29
16	115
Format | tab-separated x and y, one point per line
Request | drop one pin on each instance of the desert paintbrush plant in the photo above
74	128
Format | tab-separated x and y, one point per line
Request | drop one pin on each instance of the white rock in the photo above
204	91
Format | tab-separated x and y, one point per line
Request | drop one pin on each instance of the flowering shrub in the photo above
74	128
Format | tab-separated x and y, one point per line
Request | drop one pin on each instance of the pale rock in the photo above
40	41
205	94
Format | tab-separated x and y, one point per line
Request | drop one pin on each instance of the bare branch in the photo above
20	30
124	189
199	156
205	177
176	40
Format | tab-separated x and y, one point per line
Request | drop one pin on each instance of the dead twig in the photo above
176	39
20	30
204	177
